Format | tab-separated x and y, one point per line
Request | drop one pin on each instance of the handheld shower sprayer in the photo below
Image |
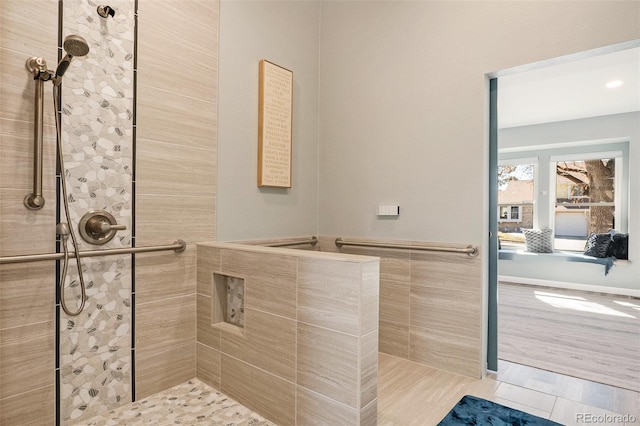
74	45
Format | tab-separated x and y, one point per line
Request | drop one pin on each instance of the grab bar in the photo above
178	246
470	250
313	241
37	66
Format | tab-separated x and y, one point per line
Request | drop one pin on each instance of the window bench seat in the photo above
561	256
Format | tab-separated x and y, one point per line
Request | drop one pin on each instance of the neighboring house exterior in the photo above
515	206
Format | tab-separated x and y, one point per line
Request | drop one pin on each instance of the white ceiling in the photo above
570	90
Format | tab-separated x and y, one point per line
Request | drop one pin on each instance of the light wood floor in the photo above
582	334
414	394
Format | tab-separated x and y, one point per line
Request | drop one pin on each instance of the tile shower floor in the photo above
189	403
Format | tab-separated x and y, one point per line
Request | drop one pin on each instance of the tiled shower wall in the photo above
175	180
27	292
175	162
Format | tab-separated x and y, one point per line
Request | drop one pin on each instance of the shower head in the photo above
74	45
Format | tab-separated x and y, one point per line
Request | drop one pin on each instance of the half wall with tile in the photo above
308	350
430	305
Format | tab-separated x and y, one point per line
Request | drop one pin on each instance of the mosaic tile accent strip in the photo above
95	346
189	403
97	114
97	137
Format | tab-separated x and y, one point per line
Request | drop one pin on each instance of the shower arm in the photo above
37	66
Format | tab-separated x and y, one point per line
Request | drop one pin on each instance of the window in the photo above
574	189
510	213
585	199
516	200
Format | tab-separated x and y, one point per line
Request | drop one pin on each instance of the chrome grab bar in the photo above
470	250
178	246
313	241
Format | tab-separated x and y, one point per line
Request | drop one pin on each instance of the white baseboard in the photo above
572	286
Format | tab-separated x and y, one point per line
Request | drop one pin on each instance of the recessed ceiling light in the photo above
614	83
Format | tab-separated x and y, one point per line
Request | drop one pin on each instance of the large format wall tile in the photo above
165	369
269	343
394	339
437	270
453	311
208	260
328	363
165	324
208	365
269	395
27	355
369	297
368	368
168	117
24	231
395	265
205	333
30	27
394	301
16	157
446	351
170	169
167	26
323	299
27	294
316	409
32	408
165	275
160	219
270	280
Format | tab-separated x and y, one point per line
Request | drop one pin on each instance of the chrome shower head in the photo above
74	45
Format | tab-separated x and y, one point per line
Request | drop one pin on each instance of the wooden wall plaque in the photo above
275	119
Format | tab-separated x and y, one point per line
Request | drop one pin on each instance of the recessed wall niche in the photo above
228	303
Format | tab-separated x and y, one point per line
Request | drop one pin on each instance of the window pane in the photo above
585	196
515	198
514	213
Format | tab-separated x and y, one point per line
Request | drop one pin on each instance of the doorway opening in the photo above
565	144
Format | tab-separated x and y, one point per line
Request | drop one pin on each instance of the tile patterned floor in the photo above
190	403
